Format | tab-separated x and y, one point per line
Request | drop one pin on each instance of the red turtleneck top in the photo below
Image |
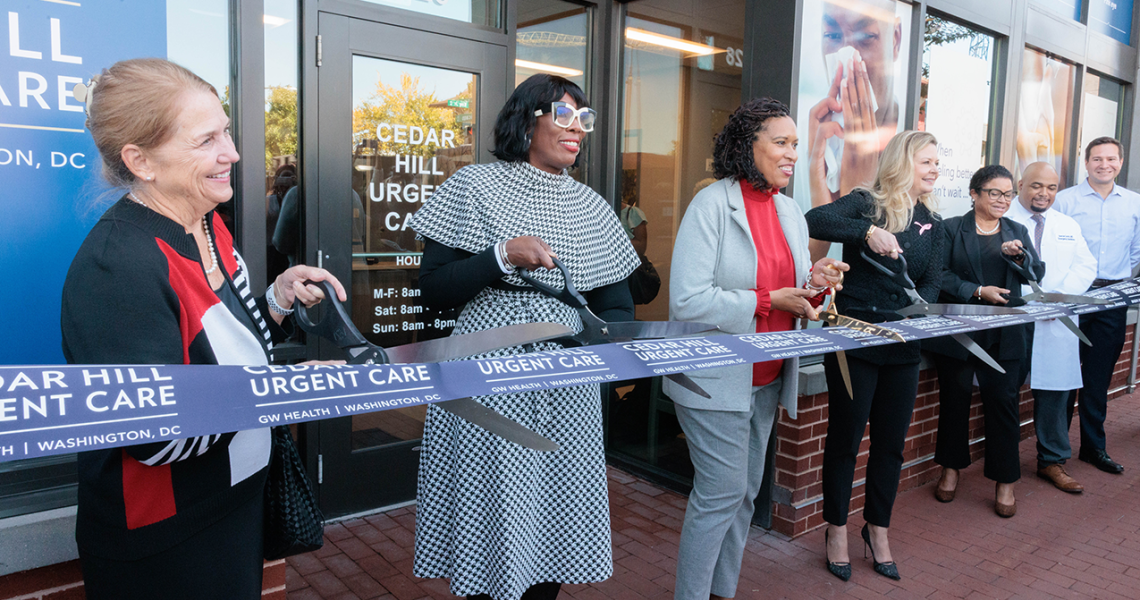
775	269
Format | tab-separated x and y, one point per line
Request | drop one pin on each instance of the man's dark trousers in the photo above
1106	330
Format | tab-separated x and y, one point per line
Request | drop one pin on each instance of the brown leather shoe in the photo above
1005	511
944	495
1060	479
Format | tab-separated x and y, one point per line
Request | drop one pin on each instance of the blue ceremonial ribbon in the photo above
46	410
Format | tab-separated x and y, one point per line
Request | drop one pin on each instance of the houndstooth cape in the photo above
493	516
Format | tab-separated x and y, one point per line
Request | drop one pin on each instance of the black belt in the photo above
1099	283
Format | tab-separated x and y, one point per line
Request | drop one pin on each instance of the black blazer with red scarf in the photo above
963	275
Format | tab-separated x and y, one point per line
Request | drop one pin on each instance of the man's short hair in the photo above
1100	141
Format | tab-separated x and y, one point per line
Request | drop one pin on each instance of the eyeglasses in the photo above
995	194
564	115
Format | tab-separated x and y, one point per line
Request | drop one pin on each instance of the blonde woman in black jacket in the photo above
894	217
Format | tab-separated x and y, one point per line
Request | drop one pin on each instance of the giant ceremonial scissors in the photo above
832	317
336	326
1040	295
920	307
597	331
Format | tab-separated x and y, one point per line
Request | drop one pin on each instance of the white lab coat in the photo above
1069	269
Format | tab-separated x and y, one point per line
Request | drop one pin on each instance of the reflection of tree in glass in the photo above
939	32
411	106
280	123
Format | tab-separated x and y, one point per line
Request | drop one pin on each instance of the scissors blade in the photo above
842	321
845	371
1068	298
977	351
957	309
687	382
479	414
1067	322
641	330
1043	296
479	342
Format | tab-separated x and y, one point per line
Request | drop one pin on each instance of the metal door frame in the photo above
346	28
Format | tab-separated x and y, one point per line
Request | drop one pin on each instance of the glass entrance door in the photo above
400	112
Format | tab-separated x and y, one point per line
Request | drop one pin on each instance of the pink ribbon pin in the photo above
922	228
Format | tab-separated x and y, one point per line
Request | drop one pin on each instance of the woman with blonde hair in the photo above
895	217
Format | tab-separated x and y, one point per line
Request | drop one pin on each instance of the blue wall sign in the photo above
1112	18
49	167
1066	8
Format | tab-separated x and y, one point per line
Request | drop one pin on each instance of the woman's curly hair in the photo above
732	154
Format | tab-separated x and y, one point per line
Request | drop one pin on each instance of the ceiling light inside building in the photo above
657	39
545	68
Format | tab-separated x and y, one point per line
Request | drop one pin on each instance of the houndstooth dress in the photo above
492	516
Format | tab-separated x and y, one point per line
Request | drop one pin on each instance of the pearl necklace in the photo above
990	232
205	230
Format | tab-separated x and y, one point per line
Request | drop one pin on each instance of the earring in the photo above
526	146
148	178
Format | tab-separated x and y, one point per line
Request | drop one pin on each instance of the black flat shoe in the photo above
840	570
888	570
1100	460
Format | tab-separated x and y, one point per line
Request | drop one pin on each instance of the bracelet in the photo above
978	293
808	285
870	232
273	305
504	262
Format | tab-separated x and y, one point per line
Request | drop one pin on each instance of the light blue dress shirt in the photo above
1111	226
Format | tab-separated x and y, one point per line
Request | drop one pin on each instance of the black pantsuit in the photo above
1002	414
884	378
972	261
884	396
1106	329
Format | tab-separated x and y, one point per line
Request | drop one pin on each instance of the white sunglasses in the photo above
564	115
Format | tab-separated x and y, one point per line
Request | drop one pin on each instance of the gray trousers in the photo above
1051	420
727	449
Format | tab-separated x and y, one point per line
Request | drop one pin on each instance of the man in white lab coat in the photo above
1056	363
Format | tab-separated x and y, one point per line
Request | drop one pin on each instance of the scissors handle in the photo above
1022	270
900	277
568	294
336	324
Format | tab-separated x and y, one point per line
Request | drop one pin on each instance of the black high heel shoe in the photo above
840	570
888	569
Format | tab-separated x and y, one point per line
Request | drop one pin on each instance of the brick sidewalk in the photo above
1058	545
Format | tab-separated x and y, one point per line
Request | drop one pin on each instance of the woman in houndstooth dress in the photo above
501	521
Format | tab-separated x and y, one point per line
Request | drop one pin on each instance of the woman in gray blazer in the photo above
741	262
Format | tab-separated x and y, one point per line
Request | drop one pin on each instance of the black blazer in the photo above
963	275
868	294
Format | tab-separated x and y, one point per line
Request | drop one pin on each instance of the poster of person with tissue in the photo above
853	85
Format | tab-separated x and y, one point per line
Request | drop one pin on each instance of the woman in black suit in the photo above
894	216
979	246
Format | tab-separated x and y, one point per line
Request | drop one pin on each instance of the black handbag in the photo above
293	523
644	282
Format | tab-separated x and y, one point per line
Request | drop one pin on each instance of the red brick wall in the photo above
799	449
65	582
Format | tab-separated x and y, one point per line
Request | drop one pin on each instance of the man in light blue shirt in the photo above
1109	216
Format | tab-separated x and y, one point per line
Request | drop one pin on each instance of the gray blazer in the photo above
712	279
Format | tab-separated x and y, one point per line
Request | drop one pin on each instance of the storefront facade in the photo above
348	113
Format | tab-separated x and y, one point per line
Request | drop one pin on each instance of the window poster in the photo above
48	161
957	113
841	39
1043	116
